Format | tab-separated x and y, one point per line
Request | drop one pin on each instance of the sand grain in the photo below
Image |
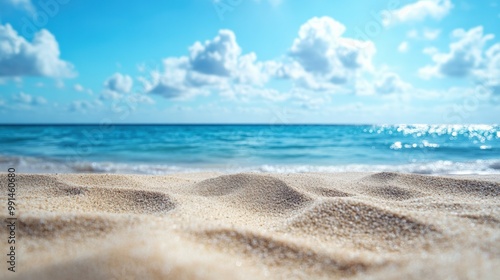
256	226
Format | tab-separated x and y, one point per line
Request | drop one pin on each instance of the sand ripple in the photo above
257	226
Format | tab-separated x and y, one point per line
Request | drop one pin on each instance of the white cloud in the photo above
426	34
313	104
431	34
40	57
221	58
215	65
430	50
40	100
140	98
119	83
217	57
78	87
244	92
84	105
22	97
319	59
418	11
467	57
110	95
322	58
20	4
175	80
403	47
385	83
391	83
489	75
320	47
464	57
412	34
117	89
251	71
27	99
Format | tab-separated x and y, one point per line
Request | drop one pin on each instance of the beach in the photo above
271	139
255	226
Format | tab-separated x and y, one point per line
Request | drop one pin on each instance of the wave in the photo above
44	165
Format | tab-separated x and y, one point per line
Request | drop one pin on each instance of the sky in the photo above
250	61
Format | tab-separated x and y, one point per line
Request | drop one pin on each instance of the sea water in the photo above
164	149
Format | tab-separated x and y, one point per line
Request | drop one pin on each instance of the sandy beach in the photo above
255	226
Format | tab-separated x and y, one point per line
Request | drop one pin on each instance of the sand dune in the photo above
256	226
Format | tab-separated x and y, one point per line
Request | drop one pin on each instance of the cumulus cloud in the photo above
320	47
391	83
117	90
110	95
467	57
84	105
417	11
175	80
119	83
78	87
27	99
221	57
40	57
319	59
322	57
244	92
216	57
216	64
430	50
384	83
489	75
251	71
403	47
464	57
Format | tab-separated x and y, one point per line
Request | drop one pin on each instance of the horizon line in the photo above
230	124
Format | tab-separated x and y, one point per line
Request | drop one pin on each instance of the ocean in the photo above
165	149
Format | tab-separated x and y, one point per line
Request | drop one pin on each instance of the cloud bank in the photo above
418	11
467	57
41	57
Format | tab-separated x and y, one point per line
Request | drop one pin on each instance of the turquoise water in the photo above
152	149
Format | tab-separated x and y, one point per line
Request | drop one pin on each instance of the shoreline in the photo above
34	165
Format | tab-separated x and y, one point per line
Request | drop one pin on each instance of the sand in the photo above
255	226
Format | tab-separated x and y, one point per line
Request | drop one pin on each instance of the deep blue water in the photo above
231	148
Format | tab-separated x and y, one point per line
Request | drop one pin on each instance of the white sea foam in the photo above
38	165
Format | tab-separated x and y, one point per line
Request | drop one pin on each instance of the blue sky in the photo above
249	61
